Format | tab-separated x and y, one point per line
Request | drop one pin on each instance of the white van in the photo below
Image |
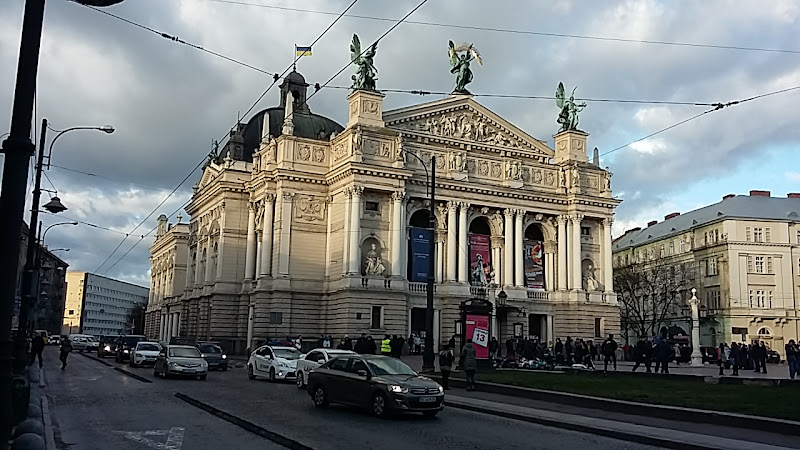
83	342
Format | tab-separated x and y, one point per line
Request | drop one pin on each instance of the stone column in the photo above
250	320
608	264
348	202
439	257
451	241
463	245
286	233
355	230
161	323
576	251
519	269
508	261
259	239
398	231
497	266
176	324
562	252
697	357
329	218
250	255
266	235
550	329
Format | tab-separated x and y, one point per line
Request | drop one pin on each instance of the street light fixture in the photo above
55	206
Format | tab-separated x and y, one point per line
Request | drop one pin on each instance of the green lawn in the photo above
769	401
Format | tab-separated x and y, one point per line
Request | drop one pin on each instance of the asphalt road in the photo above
94	406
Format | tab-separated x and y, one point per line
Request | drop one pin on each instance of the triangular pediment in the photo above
210	172
459	118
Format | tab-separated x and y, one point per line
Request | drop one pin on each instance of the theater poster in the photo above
480	260
420	253
478	331
533	263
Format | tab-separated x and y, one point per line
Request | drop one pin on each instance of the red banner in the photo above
480	259
478	331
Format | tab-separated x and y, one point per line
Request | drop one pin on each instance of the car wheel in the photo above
272	374
299	380
379	405
203	377
155	372
320	397
132	364
430	413
250	373
224	368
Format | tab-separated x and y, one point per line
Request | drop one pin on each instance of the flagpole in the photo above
294	59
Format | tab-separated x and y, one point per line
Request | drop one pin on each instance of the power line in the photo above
697	116
143	186
525	32
368	47
85	223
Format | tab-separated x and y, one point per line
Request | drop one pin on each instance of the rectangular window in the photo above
586	231
716	235
751	297
758	235
759	264
749	264
377	317
798	236
747	234
767	235
371	206
761	298
705	238
71	312
683	245
769	298
712	266
672	248
276	318
598	327
769	264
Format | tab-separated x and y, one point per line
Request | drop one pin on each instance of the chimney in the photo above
755	193
651	223
728	196
793	195
670	216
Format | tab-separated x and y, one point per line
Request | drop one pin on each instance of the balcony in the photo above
419	288
479	291
536	294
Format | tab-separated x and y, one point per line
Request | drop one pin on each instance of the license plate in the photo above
427	400
188	370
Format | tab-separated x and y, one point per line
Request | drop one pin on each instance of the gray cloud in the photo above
169	101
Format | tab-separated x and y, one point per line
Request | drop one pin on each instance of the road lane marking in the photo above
174	438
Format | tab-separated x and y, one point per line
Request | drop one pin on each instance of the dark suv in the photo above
125	345
107	346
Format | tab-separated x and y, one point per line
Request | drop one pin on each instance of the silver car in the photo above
181	361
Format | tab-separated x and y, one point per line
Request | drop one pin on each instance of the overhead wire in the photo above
61	216
523	32
141	185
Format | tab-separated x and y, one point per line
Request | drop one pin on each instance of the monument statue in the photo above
460	65
373	265
364	77
568	117
589	279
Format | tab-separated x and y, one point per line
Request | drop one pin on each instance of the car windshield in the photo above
184	352
207	348
286	353
389	366
131	341
148	346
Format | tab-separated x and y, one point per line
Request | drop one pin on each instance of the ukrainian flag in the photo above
302	51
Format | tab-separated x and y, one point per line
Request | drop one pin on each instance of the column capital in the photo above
562	219
357	190
398	196
464	206
608	222
269	197
252	206
287	196
348	193
509	212
577	218
520	213
452	206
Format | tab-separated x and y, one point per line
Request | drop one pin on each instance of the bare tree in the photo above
649	291
135	319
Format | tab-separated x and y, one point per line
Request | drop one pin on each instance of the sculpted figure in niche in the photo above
589	281
358	141
458	162
563	179
514	171
607	179
374	265
576	176
480	131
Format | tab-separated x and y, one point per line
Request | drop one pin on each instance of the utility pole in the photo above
428	356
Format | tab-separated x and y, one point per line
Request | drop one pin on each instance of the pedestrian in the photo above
642	354
721	358
326	342
609	350
361	344
762	356
663	351
372	346
298	343
677	350
446	358
386	346
592	351
569	347
792	358
509	348
469	363
37	346
66	348
732	358
418	344
559	349
494	347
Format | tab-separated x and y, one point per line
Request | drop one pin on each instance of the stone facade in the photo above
311	234
745	254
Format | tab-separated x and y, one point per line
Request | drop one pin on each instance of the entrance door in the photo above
536	325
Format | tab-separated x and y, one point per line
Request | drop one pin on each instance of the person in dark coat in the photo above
663	353
609	349
742	356
509	348
494	347
37	346
569	347
732	358
762	356
642	353
559	350
371	346
470	363
66	348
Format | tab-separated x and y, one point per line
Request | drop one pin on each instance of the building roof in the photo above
736	207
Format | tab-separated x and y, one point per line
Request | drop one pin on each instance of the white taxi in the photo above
276	363
314	359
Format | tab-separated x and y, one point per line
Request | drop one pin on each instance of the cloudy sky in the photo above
169	101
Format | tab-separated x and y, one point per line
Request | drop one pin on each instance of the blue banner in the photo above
420	252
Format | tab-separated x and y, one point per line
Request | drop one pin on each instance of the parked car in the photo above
214	356
83	342
277	363
181	340
144	354
107	345
126	344
380	383
314	359
54	340
773	357
180	360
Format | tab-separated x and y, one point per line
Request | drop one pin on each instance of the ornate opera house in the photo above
302	226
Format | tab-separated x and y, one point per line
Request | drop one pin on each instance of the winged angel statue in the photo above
568	117
460	65
365	76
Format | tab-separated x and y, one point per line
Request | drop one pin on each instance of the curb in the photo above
49	434
780	426
614	434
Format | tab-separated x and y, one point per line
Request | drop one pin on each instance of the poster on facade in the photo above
420	253
534	265
478	331
480	260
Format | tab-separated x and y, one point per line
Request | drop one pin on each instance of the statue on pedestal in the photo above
364	77
568	117
460	65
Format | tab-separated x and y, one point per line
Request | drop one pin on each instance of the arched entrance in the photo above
480	264
533	257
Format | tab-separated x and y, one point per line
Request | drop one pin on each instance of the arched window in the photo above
764	331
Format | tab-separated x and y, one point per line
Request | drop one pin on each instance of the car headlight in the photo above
172	364
282	364
224	356
398	389
107	348
441	389
139	355
202	355
125	351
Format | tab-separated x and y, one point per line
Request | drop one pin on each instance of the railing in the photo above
535	294
419	288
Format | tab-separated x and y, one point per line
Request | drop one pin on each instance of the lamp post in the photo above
697	357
